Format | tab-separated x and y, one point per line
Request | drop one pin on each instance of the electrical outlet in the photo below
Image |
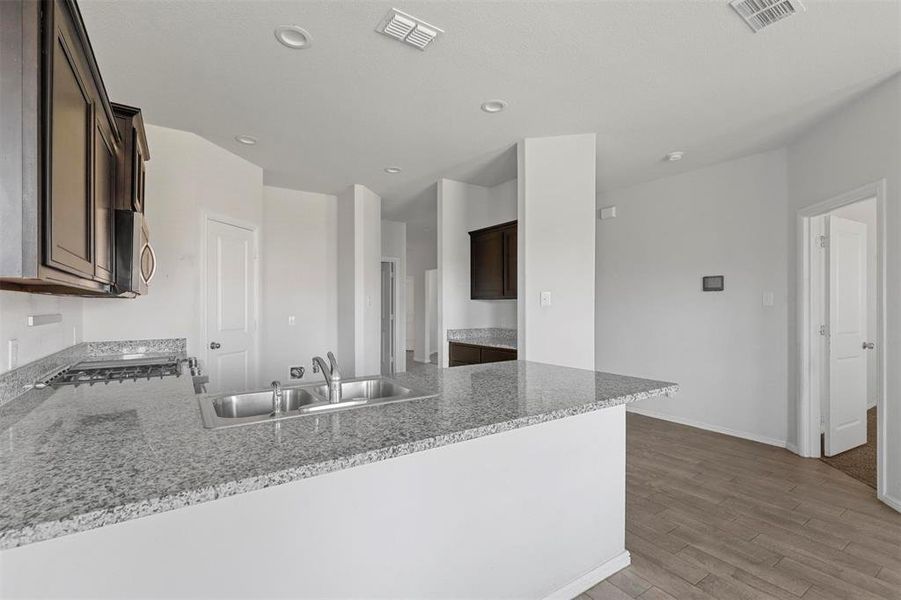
292	320
545	298
13	352
296	372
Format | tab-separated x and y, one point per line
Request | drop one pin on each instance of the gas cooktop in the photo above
118	368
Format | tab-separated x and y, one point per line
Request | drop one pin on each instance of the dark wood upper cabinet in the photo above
69	200
132	158
62	154
493	262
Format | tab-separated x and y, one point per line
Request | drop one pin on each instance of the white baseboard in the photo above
890	501
706	426
792	448
591	578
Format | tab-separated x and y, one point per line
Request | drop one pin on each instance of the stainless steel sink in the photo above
257	404
256	407
380	388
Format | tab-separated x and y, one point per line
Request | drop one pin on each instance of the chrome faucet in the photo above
277	399
331	374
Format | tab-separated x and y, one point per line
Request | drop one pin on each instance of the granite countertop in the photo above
77	458
495	337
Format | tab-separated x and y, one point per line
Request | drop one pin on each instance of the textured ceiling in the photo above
647	77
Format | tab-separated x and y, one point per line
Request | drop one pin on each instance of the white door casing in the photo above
411	312
388	316
846	406
230	306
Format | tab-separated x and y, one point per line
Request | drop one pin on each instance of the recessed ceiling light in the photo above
494	106
674	156
294	37
392	170
247	140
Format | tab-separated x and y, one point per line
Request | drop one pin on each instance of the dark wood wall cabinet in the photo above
493	262
471	354
63	150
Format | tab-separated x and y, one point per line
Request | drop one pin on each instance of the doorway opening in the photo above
842	333
389	317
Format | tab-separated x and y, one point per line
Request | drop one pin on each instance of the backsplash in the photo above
14	383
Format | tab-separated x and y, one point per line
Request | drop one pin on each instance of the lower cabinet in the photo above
472	354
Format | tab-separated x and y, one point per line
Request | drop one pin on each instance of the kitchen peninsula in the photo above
511	482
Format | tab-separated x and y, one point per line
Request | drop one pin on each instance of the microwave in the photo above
135	258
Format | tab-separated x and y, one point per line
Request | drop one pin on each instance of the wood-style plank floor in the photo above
712	516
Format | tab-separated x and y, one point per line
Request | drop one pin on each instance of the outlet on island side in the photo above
296	372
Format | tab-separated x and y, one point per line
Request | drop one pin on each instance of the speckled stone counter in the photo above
495	337
74	459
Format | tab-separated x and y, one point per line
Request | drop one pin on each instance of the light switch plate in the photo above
769	299
292	320
545	298
608	212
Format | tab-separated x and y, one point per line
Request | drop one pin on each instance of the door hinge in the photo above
823	241
823	330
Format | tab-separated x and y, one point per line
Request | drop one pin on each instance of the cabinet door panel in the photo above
487	264
104	191
490	355
71	120
510	250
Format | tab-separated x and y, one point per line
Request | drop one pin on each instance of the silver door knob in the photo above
215	345
868	345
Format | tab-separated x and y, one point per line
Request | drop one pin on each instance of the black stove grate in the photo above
87	374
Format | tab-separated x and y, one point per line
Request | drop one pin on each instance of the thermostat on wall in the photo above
713	283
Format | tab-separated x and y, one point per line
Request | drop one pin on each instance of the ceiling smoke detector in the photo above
247	140
408	29
392	170
674	156
763	13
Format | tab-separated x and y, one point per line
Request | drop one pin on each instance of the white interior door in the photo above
846	414
230	307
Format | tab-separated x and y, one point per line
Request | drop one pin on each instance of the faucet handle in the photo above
333	363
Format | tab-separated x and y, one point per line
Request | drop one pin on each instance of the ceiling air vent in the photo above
408	29
763	13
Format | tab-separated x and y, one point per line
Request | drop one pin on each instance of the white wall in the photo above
463	207
865	212
422	255
394	245
556	238
859	144
299	259
726	349
37	342
359	281
186	177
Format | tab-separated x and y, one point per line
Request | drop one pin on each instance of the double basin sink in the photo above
256	407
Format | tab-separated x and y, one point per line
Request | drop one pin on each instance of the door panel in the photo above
846	414
104	191
487	263
510	267
71	121
231	307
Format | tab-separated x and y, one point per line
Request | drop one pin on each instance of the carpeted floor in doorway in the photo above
860	462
